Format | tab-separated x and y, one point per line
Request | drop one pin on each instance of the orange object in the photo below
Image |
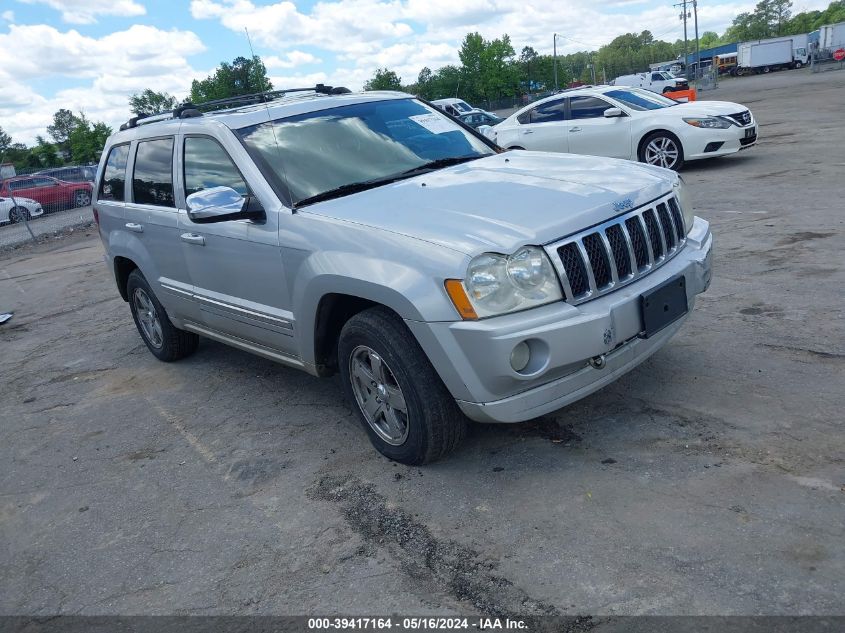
458	294
682	95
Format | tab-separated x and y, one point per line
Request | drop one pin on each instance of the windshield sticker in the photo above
434	123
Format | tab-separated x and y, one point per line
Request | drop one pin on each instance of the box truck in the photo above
762	56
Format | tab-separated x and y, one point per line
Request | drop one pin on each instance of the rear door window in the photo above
152	182
114	175
551	111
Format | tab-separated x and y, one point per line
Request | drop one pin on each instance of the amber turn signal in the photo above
458	295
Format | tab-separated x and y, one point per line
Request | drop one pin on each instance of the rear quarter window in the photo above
112	186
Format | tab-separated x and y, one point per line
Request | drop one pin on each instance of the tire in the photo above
376	347
163	339
766	70
19	214
82	198
654	144
799	65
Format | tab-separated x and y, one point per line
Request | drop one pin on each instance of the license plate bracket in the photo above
663	305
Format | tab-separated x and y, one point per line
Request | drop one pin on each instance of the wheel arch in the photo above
123	267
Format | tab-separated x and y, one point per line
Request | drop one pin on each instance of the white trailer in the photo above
832	36
772	54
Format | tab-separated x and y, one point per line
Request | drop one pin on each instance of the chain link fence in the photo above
41	203
822	60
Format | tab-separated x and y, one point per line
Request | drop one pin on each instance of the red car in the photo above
50	192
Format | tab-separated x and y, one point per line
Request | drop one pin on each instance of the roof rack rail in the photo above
189	110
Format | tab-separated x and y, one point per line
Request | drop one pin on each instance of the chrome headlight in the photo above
686	203
708	122
498	284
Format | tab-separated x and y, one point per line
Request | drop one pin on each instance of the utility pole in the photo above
684	16
554	63
697	49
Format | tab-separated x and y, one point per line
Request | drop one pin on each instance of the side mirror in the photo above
222	204
612	113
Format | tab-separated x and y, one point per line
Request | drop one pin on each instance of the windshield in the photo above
322	151
637	99
463	106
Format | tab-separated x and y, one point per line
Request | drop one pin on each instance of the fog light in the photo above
520	356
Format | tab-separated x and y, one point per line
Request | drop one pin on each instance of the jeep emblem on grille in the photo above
623	205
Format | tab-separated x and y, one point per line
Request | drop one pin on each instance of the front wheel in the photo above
82	198
19	214
662	149
799	65
163	339
406	410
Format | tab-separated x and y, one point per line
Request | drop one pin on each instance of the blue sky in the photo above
90	55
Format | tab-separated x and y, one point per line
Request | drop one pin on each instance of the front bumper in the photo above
732	139
473	357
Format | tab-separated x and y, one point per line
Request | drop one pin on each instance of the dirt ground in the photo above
708	481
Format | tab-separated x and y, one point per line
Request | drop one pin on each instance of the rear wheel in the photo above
19	214
82	198
662	149
406	410
163	339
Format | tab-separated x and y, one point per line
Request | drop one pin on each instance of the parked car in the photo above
79	173
49	192
385	242
19	209
477	118
629	123
455	107
661	82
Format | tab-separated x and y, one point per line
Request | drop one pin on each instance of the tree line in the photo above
490	73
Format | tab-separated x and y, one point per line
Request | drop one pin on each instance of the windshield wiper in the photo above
440	163
355	187
345	190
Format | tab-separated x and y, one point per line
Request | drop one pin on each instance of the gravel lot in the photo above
45	226
709	481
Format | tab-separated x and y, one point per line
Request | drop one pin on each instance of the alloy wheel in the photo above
83	198
148	318
662	151
378	395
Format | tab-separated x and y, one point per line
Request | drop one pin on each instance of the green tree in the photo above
384	79
87	140
151	102
64	122
708	39
44	154
5	141
242	77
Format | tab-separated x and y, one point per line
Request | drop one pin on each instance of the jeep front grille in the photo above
605	257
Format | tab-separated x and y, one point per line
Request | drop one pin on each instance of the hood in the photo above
701	108
505	201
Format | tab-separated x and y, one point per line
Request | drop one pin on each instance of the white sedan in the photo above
19	209
629	123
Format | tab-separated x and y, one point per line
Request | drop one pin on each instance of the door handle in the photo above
528	131
134	226
575	129
193	238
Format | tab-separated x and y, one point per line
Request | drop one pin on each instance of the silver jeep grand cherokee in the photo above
374	235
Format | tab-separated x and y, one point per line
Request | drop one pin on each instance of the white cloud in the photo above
8	16
86	11
291	59
115	66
